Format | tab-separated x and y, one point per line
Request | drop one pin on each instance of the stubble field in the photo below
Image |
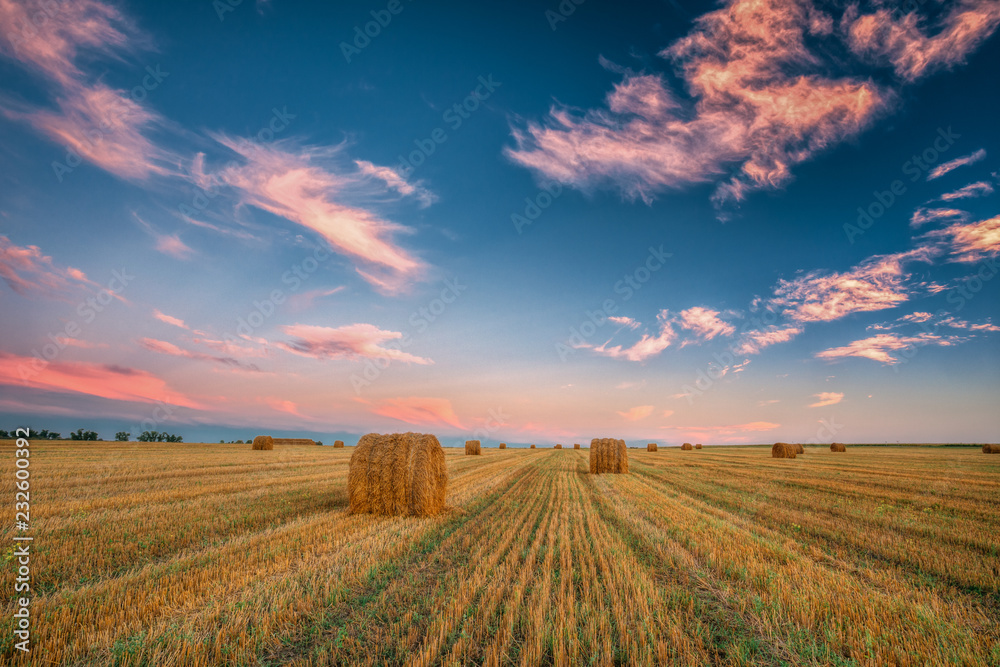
204	554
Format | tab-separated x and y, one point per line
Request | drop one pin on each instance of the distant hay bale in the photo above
576	445
294	441
472	448
991	449
838	447
608	455
532	446
799	449
503	445
263	442
651	447
338	443
398	474
698	446
687	447
782	450
557	447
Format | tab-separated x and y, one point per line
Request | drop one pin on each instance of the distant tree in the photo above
80	434
4	434
122	436
319	442
222	442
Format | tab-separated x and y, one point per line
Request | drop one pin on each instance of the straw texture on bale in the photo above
782	450
338	443
576	445
557	447
294	441
687	447
798	448
698	446
991	449
608	455
651	447
397	474
838	447
263	442
503	445
532	446
472	448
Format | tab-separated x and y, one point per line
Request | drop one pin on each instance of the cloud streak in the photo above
825	398
354	341
952	165
29	272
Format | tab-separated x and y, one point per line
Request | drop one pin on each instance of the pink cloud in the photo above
305	300
901	40
169	320
752	342
647	346
30	273
286	406
103	380
748	112
922	216
172	245
163	347
705	323
971	242
299	185
627	322
880	348
637	413
825	398
354	341
752	427
978	189
392	178
952	165
99	124
419	410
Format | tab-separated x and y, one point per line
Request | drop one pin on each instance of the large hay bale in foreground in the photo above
263	442
294	441
576	445
472	448
698	446
338	443
687	447
838	447
608	455
782	450
799	449
651	447
503	445
557	447
397	474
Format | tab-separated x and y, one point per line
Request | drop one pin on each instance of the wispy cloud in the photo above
752	427
419	410
705	323
977	189
637	413
29	272
163	347
102	125
971	242
648	346
922	216
305	186
752	342
394	180
163	317
168	244
305	300
354	341
285	406
109	381
880	348
825	398
952	165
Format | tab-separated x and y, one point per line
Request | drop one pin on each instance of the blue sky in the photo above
280	270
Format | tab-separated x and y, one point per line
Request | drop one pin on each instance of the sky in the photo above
727	223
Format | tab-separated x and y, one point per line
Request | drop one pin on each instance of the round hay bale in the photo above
651	447
503	445
799	449
557	447
263	442
698	446
782	450
687	447
472	448
608	455
838	447
399	474
576	445
338	443
532	446
991	449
